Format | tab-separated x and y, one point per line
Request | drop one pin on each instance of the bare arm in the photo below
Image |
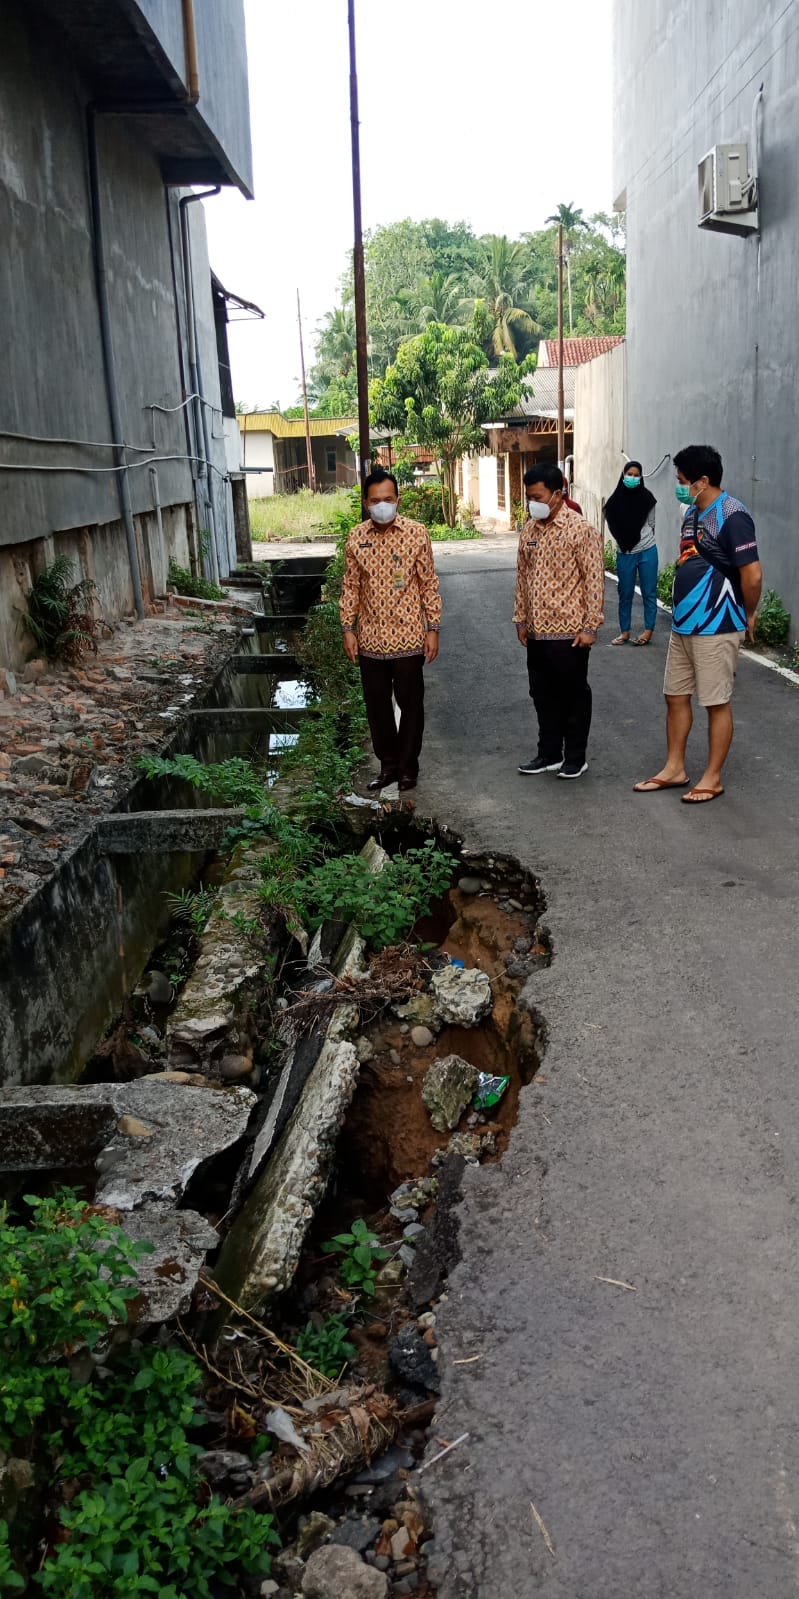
751	586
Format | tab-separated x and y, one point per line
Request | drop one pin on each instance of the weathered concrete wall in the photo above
713	337
53	377
222	69
600	429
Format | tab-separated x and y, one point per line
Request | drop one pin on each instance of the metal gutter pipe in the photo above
202	442
190	38
112	388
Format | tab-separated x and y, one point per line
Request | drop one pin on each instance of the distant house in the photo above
577	351
274	456
490	481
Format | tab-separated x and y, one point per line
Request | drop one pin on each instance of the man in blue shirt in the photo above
717	587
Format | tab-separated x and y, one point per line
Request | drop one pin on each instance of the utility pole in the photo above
561	405
308	449
365	453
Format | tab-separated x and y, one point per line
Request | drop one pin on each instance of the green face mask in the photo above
631	482
683	493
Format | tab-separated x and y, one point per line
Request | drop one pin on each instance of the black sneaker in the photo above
538	763
573	769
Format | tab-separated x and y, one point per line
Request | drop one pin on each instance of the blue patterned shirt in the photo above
714	545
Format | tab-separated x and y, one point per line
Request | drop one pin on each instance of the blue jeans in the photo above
645	566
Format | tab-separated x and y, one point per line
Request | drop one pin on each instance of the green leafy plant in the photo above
327	1347
191	907
421	502
439	532
59	615
383	906
610	555
773	620
666	583
198	588
360	1250
142	1520
232	782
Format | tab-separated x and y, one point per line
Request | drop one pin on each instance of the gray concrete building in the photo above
712	328
109	111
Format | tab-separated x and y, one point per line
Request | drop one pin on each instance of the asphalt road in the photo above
656	1431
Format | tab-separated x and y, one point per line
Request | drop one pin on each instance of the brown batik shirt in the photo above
390	585
560	577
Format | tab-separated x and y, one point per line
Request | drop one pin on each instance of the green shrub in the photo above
422	503
360	1251
773	621
439	532
59	615
326	1347
197	588
383	906
610	556
666	583
233	782
111	1447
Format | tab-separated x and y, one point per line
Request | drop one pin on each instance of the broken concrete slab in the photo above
136	832
181	1127
167	1277
462	996
260	1254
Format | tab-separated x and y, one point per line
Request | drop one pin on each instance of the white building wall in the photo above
258	450
600	430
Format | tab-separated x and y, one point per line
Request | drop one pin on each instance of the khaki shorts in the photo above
702	666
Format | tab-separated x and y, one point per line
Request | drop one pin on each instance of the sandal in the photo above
657	785
708	794
641	641
623	638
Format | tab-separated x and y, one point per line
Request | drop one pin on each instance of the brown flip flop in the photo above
659	783
708	793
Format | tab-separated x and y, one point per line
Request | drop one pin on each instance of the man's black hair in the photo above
700	460
547	473
379	475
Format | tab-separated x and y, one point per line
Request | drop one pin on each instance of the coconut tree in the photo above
501	287
440	298
571	219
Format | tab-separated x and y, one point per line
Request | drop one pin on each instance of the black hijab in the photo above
627	510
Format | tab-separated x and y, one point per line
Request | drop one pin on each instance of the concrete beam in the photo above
273	622
268	665
236	720
162	832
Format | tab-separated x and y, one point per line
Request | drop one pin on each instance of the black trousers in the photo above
396	748
561	693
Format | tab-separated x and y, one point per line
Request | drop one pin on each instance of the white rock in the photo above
462	996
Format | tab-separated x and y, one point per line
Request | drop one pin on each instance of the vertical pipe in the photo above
561	405
308	449
195	377
101	277
159	520
190	45
365	454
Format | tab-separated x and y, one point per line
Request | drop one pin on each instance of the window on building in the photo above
501	500
331	461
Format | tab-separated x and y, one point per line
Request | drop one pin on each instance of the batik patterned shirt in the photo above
560	577
714	545
390	586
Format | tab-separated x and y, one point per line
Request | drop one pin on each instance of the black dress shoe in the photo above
381	781
406	783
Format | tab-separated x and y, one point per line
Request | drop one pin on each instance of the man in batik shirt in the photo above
390	611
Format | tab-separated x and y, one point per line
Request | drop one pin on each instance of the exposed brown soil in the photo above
388	1137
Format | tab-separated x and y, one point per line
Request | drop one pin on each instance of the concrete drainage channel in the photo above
245	1123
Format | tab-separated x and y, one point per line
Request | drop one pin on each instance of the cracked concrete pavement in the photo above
653	1427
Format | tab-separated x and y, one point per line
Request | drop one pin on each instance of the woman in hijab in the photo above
630	515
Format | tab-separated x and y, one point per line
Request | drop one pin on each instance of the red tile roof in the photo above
577	351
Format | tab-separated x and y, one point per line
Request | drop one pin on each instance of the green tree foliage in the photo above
505	290
439	391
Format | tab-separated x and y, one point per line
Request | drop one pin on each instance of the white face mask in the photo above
539	510
383	512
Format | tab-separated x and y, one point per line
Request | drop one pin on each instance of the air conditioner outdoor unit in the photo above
727	191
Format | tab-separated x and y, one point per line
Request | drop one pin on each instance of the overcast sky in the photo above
484	114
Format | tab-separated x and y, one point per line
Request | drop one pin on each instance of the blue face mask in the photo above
631	482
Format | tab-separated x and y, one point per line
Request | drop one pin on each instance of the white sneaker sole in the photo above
526	772
569	776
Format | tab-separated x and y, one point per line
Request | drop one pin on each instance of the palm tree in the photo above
571	219
336	340
501	285
440	297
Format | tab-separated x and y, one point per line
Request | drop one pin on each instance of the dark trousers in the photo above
396	748
560	691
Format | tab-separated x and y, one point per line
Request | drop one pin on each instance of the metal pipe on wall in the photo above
195	374
112	388
190	42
